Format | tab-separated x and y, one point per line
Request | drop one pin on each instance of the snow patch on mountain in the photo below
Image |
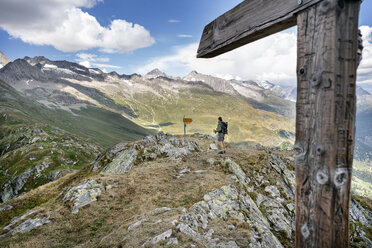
49	66
79	69
94	71
57	69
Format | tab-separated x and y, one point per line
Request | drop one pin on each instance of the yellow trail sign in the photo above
187	120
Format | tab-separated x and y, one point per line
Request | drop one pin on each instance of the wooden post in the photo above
325	121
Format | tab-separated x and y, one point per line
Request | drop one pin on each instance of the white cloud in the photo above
65	26
365	67
91	57
90	60
184	36
174	21
272	58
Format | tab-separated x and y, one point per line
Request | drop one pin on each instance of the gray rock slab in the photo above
136	224
83	194
30	224
123	162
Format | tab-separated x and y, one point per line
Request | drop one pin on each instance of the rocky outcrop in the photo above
359	214
123	162
30	224
5	208
83	194
15	185
361	222
229	202
286	176
26	222
224	203
163	236
122	157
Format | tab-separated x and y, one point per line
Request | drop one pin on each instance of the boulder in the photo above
136	224
213	146
30	224
123	162
163	236
26	222
83	194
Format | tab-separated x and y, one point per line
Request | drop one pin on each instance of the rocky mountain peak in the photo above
155	73
217	84
20	69
3	60
37	60
266	84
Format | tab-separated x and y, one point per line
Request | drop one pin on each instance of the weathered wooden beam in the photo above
249	21
325	121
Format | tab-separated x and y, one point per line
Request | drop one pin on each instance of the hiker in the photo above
221	131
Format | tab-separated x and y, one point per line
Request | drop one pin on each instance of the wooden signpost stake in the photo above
325	110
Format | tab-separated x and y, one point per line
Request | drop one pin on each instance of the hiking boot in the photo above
221	152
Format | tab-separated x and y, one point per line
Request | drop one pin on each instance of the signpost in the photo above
185	122
325	109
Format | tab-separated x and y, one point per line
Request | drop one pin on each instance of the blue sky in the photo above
135	36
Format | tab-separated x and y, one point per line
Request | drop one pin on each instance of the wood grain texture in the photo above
249	21
325	121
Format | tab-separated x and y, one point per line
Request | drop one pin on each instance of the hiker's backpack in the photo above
224	127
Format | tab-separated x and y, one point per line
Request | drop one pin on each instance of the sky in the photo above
136	36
